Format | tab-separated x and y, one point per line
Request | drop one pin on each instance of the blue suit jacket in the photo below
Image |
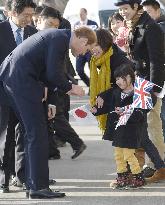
37	62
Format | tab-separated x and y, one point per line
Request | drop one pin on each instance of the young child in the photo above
118	30
126	138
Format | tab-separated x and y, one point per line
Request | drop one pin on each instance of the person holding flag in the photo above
126	134
147	52
127	128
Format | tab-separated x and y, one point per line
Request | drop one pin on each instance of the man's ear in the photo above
14	13
85	40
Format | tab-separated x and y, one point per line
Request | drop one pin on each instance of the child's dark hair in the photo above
124	70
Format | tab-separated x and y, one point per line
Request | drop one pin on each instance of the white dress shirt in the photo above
14	29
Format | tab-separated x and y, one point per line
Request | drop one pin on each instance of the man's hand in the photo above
51	111
76	90
99	102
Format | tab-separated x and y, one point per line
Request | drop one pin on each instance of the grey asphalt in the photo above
86	179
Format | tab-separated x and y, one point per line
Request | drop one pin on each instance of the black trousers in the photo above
65	132
7	144
151	150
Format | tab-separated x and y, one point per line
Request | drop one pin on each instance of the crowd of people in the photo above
37	79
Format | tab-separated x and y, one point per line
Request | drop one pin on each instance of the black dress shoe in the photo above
45	194
54	157
52	182
4	189
79	151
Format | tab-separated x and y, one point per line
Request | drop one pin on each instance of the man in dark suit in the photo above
35	63
21	13
51	18
83	59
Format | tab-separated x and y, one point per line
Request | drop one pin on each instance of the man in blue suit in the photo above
21	12
37	63
83	59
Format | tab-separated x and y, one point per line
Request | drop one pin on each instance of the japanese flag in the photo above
83	115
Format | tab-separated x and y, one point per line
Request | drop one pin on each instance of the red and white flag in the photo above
83	115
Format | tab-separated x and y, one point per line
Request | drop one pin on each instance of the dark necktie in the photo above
18	36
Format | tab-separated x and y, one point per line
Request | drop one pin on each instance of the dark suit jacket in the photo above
38	59
89	23
65	24
7	41
8	44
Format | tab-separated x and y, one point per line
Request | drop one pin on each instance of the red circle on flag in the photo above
80	113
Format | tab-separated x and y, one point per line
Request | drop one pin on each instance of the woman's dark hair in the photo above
124	70
116	16
104	39
19	5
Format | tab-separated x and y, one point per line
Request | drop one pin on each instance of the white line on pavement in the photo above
115	194
82	180
89	187
31	201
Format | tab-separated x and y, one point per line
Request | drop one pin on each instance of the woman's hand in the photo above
99	102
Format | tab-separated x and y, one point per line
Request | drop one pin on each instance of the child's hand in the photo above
99	102
118	110
93	110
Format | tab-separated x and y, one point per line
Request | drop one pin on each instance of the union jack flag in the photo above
142	97
124	117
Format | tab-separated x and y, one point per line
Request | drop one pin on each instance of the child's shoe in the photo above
122	180
137	181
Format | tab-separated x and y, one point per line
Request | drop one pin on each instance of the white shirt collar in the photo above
14	28
84	22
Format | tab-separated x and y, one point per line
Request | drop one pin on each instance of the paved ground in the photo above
86	179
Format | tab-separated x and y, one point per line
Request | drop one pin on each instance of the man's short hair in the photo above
86	33
19	5
51	12
155	4
38	10
85	10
